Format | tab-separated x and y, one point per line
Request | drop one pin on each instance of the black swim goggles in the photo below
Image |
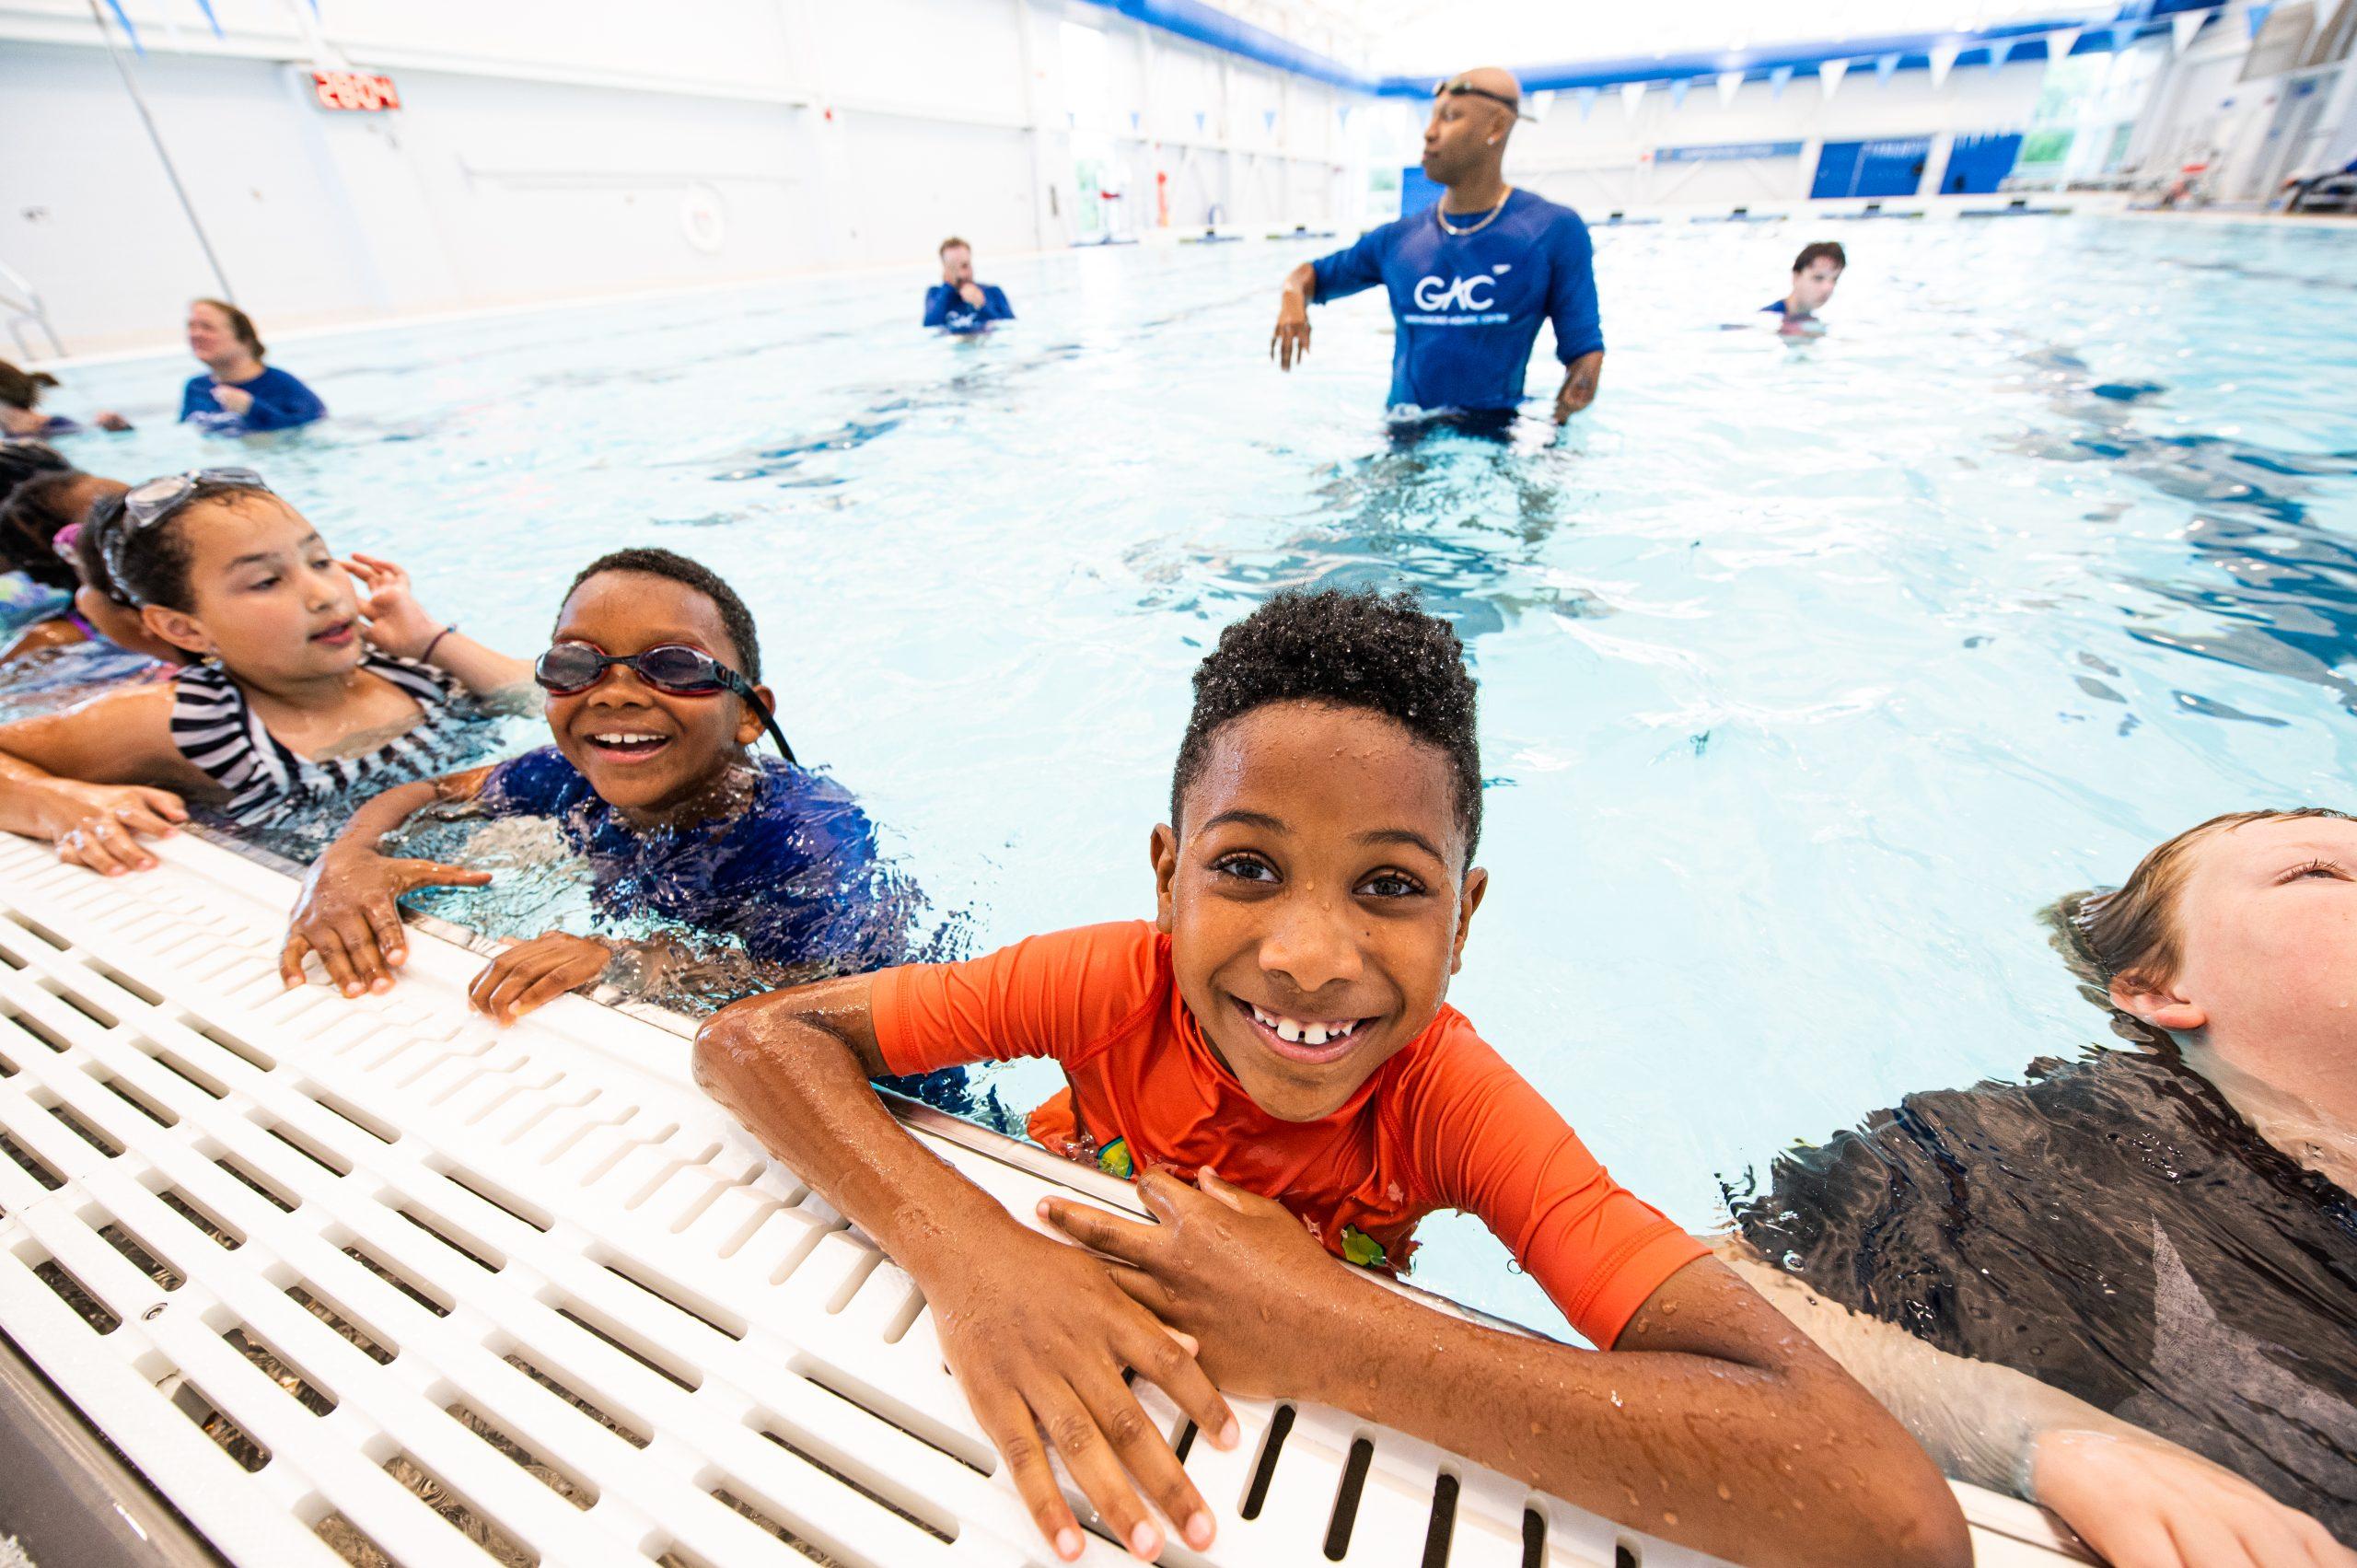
147	505
567	669
1458	87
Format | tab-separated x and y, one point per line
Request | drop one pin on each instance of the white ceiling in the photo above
1411	35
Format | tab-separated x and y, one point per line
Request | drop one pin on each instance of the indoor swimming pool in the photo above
1811	671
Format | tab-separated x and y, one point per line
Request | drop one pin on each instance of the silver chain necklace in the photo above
1445	228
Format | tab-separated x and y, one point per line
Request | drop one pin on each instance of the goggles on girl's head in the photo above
567	669
149	504
159	498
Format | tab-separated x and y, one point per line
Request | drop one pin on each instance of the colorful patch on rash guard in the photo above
1113	1159
1360	1248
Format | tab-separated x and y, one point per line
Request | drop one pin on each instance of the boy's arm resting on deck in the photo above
93	779
1711	1423
1037	1332
346	911
2130	1494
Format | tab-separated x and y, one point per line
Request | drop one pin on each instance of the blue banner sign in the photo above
1727	151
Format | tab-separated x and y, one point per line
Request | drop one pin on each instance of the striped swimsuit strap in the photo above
216	727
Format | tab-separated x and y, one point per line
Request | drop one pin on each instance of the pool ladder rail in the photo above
378	1282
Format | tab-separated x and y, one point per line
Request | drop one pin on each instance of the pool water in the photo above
1810	672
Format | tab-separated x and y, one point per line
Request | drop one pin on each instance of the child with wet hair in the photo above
303	691
1273	1055
2126	1287
654	702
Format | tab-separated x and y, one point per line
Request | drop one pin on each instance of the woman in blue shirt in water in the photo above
237	394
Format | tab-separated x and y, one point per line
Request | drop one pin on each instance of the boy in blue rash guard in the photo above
237	394
1469	278
650	700
1815	270
957	303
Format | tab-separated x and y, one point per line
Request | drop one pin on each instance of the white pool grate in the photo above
379	1281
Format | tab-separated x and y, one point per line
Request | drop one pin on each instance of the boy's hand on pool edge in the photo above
536	971
1222	1267
1038	1335
346	914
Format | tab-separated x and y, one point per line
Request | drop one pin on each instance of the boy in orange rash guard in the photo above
1279	1037
1443	1124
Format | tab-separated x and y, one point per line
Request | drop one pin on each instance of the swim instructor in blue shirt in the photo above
1469	278
957	303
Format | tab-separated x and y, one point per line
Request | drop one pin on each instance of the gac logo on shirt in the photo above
1457	294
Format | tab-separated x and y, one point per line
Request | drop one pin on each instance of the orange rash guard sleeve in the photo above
1051	995
1495	1148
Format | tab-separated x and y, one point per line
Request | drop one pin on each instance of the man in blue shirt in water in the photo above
1469	278
957	303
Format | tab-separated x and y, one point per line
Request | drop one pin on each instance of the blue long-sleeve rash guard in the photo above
280	402
1468	306
944	308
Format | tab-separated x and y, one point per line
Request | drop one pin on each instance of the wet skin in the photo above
1813	288
687	744
2267	971
1320	882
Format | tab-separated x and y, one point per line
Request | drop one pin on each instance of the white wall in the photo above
1607	160
2252	134
547	147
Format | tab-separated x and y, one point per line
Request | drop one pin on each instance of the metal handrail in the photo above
22	306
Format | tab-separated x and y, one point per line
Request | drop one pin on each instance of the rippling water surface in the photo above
1810	672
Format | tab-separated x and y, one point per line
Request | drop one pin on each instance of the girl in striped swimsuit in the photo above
302	691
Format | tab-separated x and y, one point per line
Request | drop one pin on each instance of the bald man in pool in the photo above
1469	278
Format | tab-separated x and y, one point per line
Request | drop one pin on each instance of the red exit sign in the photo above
353	90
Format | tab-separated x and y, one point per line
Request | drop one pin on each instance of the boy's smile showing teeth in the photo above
1301	1039
628	745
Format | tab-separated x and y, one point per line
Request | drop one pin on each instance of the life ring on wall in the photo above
703	218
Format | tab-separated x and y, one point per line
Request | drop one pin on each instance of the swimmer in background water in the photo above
20	416
652	696
959	304
237	394
1814	273
2072	1287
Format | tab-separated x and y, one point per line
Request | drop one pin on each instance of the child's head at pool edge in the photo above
1317	877
230	571
2243	930
640	747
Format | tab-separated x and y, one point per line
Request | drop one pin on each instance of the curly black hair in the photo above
1359	649
735	618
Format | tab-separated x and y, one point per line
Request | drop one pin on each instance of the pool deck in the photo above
381	1274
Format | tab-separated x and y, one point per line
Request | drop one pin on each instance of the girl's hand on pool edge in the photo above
535	972
2147	1503
100	825
348	914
